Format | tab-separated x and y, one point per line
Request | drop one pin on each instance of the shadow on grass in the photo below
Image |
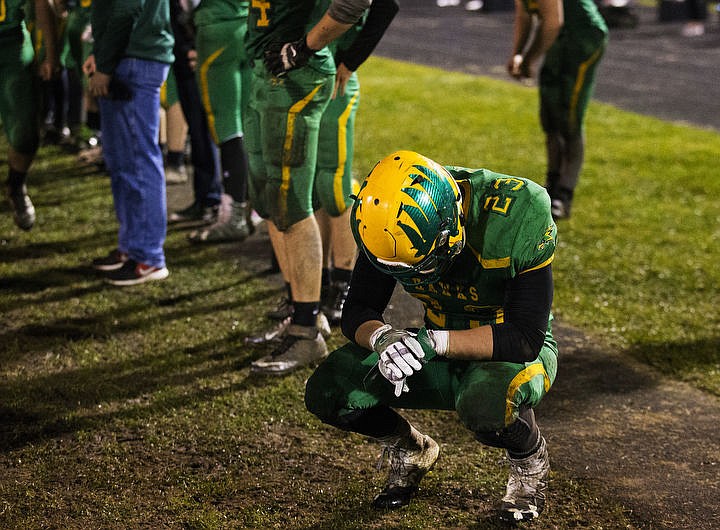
86	398
37	250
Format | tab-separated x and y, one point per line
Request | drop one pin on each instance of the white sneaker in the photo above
474	5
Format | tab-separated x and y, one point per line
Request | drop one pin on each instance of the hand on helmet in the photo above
281	58
400	355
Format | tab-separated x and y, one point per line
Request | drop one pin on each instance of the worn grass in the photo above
134	408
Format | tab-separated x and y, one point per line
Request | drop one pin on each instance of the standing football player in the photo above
572	35
292	82
19	97
224	79
475	247
334	178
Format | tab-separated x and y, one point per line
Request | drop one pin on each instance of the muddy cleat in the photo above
176	174
524	499
275	333
300	346
410	460
194	212
278	331
231	225
23	209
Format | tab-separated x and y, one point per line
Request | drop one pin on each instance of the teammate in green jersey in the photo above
572	36
475	247
334	178
292	82
19	102
224	80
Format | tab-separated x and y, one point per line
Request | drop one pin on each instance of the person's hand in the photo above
519	68
341	78
281	58
47	69
400	355
98	84
88	66
192	59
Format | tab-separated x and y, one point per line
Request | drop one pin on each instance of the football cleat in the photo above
524	499
301	346
23	209
409	463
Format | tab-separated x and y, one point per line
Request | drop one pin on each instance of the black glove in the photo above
282	58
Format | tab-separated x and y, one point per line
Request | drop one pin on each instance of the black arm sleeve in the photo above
528	300
380	15
370	292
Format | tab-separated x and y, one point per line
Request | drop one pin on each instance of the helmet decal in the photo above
423	211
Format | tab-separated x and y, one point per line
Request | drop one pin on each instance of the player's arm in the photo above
522	27
340	16
46	22
379	17
369	294
520	337
550	14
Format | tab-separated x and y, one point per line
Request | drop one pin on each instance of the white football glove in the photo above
400	355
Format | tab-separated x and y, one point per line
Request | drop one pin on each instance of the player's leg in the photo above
348	392
176	131
19	108
223	70
290	116
495	401
333	186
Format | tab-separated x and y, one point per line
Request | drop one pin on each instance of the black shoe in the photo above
333	304
23	209
194	212
113	261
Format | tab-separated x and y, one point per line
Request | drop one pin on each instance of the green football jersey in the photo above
509	230
274	22
214	11
578	16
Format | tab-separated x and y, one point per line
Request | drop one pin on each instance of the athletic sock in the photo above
305	313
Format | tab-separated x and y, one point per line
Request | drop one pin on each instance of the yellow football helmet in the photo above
407	218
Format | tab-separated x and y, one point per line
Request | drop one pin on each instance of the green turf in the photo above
134	408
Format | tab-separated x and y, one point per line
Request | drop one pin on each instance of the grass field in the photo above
134	408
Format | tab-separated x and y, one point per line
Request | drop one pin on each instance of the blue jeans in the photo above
134	160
